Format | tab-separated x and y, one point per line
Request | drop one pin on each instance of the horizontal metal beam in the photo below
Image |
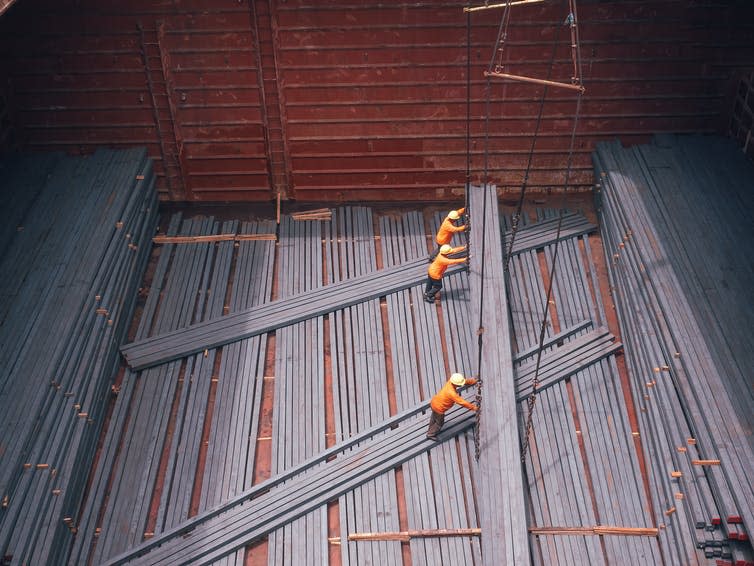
523	79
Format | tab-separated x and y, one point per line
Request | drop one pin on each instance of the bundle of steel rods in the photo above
674	216
201	335
581	465
70	280
359	378
160	413
298	424
281	500
502	504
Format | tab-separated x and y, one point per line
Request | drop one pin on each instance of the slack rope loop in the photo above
468	108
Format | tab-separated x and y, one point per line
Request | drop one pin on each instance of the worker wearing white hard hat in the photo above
445	399
447	229
437	269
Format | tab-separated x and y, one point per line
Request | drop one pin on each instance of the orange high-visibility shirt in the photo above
448	395
447	229
441	263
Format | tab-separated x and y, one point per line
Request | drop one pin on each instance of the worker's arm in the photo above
471	381
461	210
458	249
463	402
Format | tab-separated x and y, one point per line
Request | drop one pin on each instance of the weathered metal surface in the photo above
338	101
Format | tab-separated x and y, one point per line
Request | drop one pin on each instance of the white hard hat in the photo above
457	379
445	249
453	215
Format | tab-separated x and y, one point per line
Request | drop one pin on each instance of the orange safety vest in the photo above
441	263
448	395
446	231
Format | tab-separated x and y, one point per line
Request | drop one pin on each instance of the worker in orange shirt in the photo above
437	269
447	229
445	399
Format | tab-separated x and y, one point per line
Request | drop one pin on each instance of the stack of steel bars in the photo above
676	225
70	277
197	337
195	289
581	464
502	507
214	534
359	379
189	282
298	423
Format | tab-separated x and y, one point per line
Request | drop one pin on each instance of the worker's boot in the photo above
429	298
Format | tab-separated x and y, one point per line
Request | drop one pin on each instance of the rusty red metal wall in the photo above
329	100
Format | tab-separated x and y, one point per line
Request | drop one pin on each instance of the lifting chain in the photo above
529	420
478	418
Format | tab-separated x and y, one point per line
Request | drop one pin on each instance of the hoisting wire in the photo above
517	215
480	329
502	36
535	384
468	112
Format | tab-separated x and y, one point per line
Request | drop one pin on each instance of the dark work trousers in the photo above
433	287
436	420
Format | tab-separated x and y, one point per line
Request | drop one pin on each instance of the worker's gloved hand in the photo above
476	408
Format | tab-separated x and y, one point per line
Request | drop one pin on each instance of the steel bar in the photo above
222	532
405	536
500	469
276	314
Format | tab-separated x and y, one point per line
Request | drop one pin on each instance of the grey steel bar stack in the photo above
676	220
82	229
582	465
502	506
